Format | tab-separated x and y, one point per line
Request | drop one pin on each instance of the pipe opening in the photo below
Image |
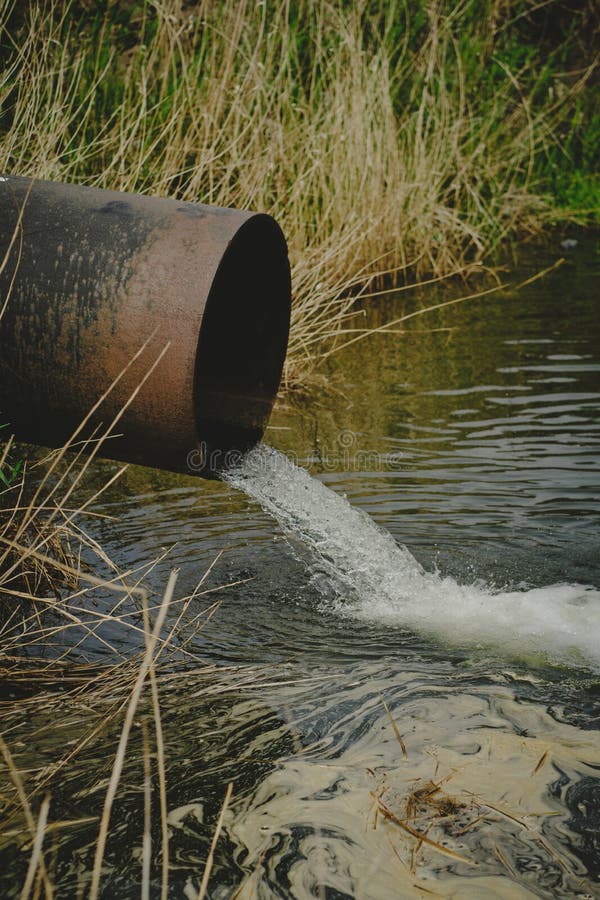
243	339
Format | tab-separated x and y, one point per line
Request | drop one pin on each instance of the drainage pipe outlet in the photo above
177	312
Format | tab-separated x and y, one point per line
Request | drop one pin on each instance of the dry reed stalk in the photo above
146	664
213	845
111	699
395	728
504	860
27	813
420	836
162	785
105	684
36	852
147	835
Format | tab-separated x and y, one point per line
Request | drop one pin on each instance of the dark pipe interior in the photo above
243	340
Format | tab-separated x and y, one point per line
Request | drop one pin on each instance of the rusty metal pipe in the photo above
93	275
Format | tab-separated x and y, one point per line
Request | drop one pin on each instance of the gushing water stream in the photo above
360	571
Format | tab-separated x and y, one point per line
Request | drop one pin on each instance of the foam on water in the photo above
361	572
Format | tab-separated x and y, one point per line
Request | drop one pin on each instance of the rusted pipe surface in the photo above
93	275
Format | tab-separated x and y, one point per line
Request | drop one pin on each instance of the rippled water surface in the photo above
449	688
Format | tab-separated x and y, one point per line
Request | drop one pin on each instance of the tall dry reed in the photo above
380	146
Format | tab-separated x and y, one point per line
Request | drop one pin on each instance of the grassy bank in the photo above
412	140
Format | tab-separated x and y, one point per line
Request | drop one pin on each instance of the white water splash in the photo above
362	572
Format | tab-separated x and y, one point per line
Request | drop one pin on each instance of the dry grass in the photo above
378	159
62	598
46	625
112	712
52	608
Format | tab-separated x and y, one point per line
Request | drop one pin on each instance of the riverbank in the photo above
412	144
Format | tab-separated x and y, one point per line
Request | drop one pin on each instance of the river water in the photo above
422	586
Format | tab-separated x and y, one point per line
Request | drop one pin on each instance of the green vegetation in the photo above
412	138
10	468
60	592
